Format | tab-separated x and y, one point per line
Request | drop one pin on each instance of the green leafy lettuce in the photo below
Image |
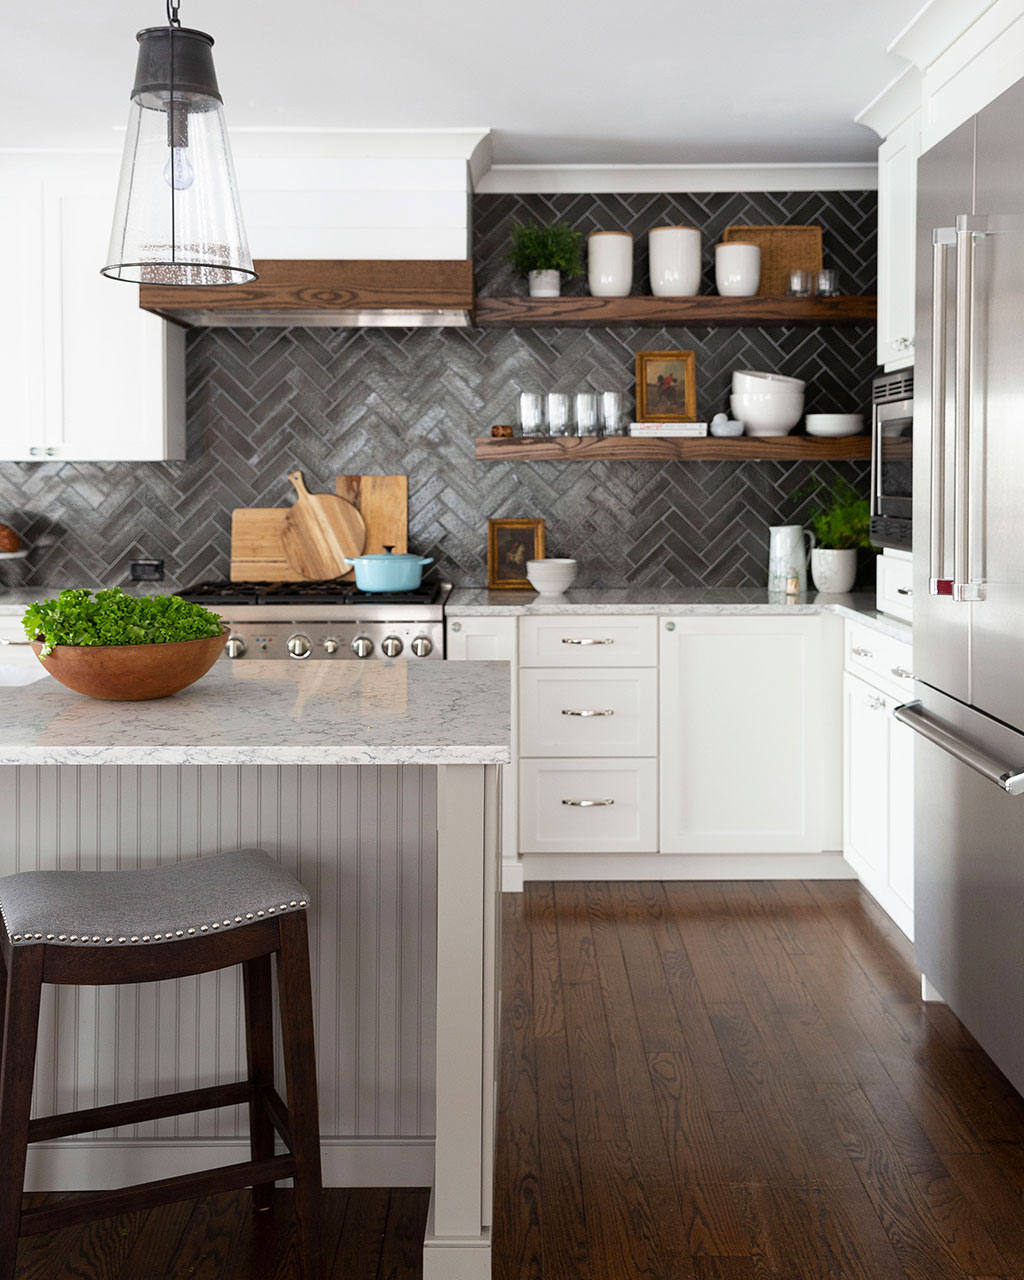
112	617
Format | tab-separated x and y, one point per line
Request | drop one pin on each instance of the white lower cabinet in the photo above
588	806
750	740
878	769
588	713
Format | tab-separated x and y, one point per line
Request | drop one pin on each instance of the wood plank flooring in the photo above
736	1081
729	1081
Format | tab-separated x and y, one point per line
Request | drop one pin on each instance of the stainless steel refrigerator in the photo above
969	577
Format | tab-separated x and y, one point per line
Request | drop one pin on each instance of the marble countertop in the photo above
268	713
673	601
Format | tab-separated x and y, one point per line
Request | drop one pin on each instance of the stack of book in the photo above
651	430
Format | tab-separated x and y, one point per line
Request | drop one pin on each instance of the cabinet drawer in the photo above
611	712
894	591
880	659
600	640
588	806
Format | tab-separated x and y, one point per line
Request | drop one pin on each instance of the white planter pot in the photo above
545	284
737	270
674	261
833	570
610	264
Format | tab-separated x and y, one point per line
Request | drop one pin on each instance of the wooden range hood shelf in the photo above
329	293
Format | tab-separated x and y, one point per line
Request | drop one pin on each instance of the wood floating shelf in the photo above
701	449
580	313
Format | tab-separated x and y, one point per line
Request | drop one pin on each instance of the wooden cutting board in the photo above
257	552
321	533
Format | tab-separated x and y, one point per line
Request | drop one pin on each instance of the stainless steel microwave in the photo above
892	459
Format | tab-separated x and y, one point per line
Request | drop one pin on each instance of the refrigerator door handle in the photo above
943	239
968	231
1008	779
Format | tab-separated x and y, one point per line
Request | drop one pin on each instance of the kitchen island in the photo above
377	785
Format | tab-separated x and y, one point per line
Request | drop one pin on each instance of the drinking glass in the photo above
611	412
531	413
826	283
586	413
799	283
558	413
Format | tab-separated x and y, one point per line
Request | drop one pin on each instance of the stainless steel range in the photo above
326	620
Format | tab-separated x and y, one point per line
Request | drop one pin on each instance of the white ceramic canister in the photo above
610	263
674	261
737	270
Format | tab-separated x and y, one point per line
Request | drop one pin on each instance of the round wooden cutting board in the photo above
321	532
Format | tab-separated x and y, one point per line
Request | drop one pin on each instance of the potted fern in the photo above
544	255
841	527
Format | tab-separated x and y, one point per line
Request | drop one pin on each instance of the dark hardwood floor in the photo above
716	1081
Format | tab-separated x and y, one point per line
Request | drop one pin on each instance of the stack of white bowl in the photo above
766	403
550	577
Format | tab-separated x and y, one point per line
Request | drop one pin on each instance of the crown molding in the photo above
934	28
582	178
897	102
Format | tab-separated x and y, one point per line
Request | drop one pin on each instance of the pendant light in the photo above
177	219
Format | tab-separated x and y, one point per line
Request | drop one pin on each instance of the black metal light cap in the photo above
193	63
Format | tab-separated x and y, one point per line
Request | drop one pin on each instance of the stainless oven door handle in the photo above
943	239
1008	778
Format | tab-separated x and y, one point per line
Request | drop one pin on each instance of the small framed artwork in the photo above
666	386
510	543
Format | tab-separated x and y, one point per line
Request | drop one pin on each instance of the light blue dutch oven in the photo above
389	572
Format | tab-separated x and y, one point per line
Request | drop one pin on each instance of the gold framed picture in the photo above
510	543
666	386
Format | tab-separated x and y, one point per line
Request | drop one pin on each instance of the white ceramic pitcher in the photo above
787	556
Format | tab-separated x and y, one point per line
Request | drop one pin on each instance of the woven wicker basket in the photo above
782	250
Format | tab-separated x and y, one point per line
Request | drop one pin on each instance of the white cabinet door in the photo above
897	242
609	712
582	640
483	639
589	806
866	780
750	734
901	825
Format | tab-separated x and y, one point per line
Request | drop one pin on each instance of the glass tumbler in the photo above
826	283
531	413
799	283
558	413
611	412
586	413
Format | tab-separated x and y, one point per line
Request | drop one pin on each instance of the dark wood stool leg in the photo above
259	1050
296	1000
24	977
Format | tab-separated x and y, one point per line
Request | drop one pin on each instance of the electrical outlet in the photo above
147	570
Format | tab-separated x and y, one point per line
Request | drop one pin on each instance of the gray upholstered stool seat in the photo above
113	927
150	905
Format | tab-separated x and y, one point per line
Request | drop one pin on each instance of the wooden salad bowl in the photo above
132	672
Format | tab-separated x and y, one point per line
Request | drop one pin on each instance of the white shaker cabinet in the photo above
88	376
897	242
750	738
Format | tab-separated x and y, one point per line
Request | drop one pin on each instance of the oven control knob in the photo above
235	647
421	646
392	646
330	645
362	646
299	646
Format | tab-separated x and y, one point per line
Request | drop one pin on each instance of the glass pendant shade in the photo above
177	219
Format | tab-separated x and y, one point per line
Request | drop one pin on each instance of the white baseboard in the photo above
101	1164
455	1257
686	866
511	877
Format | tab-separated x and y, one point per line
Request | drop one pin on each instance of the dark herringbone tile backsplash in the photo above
263	401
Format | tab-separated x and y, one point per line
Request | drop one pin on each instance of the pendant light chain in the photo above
172	13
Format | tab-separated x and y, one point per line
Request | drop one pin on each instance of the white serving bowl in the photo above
767	413
749	380
835	424
550	577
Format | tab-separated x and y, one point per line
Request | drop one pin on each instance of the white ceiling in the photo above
558	81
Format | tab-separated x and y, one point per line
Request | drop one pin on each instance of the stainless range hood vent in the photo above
397	293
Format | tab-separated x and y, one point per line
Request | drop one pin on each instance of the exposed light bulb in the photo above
178	172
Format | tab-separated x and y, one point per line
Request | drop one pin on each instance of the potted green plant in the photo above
544	255
841	526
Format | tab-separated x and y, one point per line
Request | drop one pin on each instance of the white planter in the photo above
737	270
545	284
674	261
610	263
833	570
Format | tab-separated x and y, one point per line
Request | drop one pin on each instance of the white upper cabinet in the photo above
897	234
88	375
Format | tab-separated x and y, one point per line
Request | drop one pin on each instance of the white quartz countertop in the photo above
267	713
675	601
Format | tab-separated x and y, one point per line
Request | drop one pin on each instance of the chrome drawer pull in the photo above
874	704
588	804
862	653
566	640
903	673
586	714
904	591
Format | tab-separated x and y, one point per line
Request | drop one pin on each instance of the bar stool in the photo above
107	927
